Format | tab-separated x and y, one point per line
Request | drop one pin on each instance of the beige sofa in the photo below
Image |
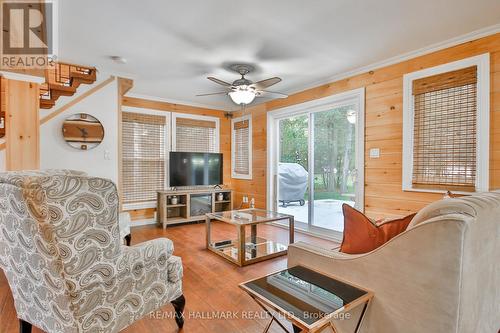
442	275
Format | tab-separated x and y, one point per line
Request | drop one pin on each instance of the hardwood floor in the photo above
210	284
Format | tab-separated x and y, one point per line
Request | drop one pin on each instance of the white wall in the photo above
55	153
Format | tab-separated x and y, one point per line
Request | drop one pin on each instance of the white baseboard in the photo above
139	223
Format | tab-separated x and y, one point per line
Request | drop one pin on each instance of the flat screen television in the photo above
192	169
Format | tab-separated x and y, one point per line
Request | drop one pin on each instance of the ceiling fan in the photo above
243	91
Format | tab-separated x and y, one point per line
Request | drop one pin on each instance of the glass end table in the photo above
310	300
245	250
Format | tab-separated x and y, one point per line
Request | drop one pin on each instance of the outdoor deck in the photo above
327	213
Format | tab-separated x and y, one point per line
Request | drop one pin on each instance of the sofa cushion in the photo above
361	235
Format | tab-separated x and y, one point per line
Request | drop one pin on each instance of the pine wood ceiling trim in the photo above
170	107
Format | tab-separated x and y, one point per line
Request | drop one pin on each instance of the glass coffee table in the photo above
245	250
310	300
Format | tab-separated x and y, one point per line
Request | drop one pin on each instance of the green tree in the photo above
334	147
294	134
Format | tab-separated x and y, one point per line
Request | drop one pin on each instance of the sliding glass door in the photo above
318	151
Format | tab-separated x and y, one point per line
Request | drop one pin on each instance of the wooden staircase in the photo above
63	80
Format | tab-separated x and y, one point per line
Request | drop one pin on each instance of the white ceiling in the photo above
171	46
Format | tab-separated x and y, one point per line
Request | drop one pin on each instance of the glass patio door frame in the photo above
310	108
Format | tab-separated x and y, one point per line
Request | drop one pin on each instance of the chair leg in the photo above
24	326
179	304
128	239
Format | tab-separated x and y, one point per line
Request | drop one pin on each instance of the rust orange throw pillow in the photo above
361	235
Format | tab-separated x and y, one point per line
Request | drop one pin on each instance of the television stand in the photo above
191	205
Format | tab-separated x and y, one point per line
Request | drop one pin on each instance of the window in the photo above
195	133
147	138
241	147
446	129
144	151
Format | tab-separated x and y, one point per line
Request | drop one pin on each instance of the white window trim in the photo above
234	174
483	119
318	105
166	114
196	117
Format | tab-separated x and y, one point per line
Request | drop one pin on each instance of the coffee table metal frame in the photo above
240	241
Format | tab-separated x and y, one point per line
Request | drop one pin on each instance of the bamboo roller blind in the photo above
241	146
195	135
143	154
445	125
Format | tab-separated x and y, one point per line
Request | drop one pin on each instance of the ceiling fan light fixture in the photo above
242	97
243	91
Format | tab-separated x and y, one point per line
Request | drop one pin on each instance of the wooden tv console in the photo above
192	205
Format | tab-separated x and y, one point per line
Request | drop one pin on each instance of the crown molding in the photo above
477	34
22	77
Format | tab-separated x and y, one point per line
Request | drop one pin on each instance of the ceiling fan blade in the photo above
266	83
222	83
272	94
210	94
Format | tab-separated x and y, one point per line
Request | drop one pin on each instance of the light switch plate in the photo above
375	153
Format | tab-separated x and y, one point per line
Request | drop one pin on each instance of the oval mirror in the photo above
83	131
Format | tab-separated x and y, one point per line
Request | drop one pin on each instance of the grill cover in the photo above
292	178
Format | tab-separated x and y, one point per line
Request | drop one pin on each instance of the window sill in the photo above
421	190
237	176
139	205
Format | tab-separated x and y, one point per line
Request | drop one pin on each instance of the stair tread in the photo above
55	90
47	103
81	74
91	77
55	86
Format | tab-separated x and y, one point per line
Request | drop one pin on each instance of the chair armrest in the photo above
124	224
175	270
153	252
146	277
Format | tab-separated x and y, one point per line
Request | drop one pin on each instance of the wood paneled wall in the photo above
384	122
3	105
225	136
20	103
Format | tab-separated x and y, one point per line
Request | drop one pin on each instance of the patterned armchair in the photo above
61	253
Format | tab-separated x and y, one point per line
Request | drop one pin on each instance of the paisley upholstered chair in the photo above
66	266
